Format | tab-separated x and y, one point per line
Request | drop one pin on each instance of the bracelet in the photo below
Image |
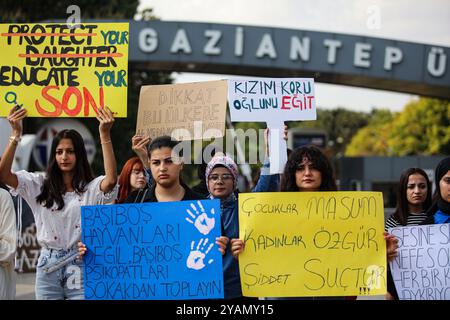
105	142
14	140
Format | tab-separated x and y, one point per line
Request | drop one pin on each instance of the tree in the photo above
372	140
340	125
423	127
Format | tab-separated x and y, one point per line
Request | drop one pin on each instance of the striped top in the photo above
412	220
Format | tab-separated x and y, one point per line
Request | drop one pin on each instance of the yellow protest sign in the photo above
53	70
185	111
312	244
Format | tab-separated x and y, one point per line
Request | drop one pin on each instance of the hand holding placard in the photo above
273	101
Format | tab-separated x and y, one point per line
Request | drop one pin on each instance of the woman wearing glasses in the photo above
221	178
131	178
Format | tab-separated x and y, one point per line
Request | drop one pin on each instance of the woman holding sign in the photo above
307	169
413	199
221	176
438	213
56	200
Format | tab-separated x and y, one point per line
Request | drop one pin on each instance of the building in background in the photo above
381	174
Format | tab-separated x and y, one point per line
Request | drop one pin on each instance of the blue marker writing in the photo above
11	97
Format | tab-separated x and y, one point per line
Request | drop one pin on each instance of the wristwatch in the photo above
15	139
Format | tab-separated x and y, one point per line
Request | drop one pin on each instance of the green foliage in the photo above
372	139
340	125
423	127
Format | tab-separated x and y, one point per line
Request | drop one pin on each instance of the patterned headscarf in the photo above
225	161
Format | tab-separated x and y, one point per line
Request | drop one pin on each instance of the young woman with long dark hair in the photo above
413	199
56	199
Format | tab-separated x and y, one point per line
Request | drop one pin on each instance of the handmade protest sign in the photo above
272	101
161	250
421	271
187	111
53	70
300	244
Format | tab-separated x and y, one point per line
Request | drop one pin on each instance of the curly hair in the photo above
321	163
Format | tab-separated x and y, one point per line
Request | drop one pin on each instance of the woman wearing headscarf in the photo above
440	209
221	178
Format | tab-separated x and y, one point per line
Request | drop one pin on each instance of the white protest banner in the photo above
272	100
421	271
186	111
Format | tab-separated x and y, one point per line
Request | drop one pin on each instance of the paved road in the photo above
25	288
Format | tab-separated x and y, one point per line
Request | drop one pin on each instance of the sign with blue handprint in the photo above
145	251
200	218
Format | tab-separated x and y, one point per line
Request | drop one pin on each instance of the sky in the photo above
426	22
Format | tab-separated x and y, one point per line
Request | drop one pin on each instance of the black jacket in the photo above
148	195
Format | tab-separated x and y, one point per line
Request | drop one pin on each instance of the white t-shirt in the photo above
59	229
8	239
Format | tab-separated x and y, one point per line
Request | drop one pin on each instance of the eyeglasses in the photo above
224	177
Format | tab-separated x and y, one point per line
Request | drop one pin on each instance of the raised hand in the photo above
196	257
105	119
200	220
139	145
15	117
